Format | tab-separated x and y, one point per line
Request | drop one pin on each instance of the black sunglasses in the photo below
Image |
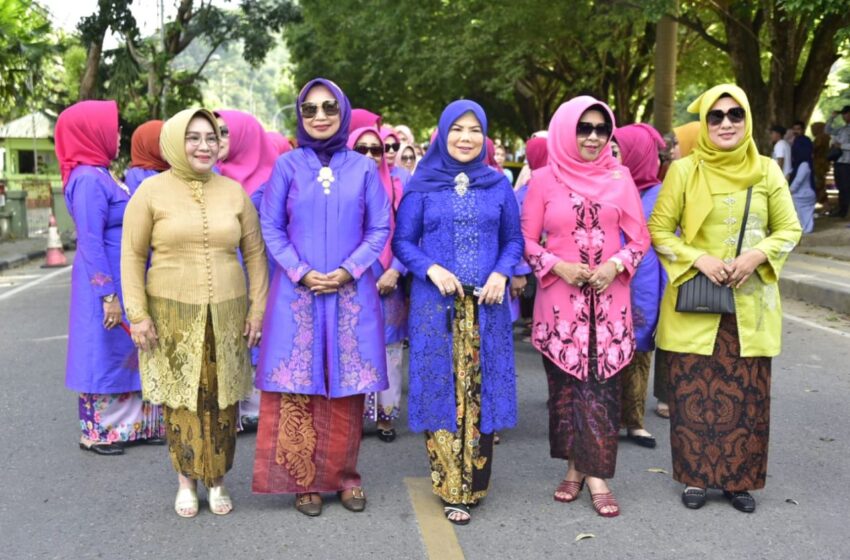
735	114
408	158
602	130
330	108
393	147
374	150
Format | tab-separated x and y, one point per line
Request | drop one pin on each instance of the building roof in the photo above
23	127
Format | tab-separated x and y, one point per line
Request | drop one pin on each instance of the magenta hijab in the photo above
639	144
392	189
252	155
536	152
491	155
86	133
361	118
602	180
279	141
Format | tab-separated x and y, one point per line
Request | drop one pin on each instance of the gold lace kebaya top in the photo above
192	230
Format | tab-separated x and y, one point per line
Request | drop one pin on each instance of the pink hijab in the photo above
491	155
361	118
536	152
639	144
601	180
86	134
252	155
279	141
392	186
389	132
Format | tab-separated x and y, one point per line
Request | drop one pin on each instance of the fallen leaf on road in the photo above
582	536
792	501
827	439
657	470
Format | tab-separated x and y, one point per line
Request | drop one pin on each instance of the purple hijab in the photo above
437	170
324	149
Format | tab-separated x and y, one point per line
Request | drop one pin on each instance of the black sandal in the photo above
449	509
386	435
693	498
742	501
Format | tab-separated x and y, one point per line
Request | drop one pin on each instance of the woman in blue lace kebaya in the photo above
458	233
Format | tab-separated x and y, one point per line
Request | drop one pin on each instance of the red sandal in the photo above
570	487
605	500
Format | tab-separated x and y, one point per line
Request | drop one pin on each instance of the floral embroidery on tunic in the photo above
355	269
296	439
356	373
296	372
100	279
295	274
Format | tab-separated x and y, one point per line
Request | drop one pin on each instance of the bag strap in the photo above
744	222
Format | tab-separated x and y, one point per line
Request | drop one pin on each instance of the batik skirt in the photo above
720	415
635	381
461	461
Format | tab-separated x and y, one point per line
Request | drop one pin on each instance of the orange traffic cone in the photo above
55	257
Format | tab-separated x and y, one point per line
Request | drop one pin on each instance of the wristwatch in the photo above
618	264
110	298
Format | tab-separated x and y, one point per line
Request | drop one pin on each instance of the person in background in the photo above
102	364
820	145
719	365
392	146
404	134
803	182
797	129
640	145
407	157
325	218
223	141
145	157
596	235
781	149
687	135
458	233
841	139
499	158
192	313
668	153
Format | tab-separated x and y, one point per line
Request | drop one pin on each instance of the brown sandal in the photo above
571	487
605	500
353	499
309	504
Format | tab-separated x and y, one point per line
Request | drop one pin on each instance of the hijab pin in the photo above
461	183
326	177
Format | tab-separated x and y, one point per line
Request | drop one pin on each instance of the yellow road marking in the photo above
437	532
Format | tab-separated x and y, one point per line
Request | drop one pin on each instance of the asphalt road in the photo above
57	501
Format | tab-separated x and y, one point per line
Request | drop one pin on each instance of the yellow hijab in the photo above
172	144
687	135
718	171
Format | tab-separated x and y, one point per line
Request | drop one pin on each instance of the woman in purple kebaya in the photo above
325	219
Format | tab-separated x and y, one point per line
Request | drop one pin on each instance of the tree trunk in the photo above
88	83
665	74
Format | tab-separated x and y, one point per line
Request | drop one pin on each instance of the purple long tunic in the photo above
99	360
135	175
333	344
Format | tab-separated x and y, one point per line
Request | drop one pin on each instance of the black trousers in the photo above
842	182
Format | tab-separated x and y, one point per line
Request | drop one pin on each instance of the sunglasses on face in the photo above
392	147
602	130
374	150
330	108
735	114
408	158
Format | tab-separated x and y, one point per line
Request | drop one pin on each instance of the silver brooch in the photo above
461	184
326	177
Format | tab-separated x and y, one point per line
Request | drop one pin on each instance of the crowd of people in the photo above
234	280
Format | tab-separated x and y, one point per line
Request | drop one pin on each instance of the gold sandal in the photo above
219	499
186	500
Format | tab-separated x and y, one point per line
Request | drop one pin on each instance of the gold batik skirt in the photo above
461	461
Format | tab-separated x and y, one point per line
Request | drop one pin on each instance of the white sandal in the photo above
219	499
186	500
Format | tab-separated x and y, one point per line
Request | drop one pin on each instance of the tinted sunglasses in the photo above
735	114
602	130
408	158
330	108
392	147
374	150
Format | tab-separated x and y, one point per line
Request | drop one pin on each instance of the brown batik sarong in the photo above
720	415
202	443
461	461
307	443
635	381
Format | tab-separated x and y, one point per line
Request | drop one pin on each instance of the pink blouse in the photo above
577	229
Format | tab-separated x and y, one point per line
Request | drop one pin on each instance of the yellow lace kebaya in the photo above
192	225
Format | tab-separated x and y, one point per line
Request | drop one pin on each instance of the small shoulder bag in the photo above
701	295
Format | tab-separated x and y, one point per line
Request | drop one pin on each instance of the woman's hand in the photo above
253	331
715	269
518	284
493	290
319	283
144	335
446	282
388	281
111	314
743	266
574	274
603	276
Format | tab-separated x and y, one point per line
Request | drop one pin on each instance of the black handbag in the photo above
701	295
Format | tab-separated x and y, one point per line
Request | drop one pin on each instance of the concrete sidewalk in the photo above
20	251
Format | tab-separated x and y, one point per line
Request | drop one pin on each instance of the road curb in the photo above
21	258
810	290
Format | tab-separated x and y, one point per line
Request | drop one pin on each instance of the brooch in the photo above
326	177
461	183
